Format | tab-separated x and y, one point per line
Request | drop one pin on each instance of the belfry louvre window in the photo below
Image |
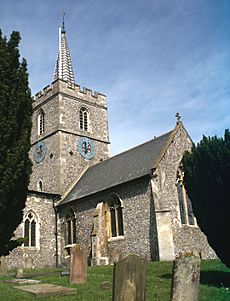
41	122
70	228
84	119
30	230
116	216
186	212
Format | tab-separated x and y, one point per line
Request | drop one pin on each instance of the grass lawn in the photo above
215	284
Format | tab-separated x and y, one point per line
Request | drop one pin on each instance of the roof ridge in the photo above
132	148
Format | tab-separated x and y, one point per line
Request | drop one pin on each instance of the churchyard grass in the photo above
214	284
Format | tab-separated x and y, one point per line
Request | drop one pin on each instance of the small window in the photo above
186	212
41	122
84	119
30	230
70	221
40	185
116	216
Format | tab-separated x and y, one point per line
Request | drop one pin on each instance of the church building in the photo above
134	202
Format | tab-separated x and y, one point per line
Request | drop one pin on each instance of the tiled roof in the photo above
129	165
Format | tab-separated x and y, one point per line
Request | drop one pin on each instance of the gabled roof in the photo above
127	166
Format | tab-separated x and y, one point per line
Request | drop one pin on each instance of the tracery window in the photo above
116	216
41	122
186	212
70	221
30	230
70	231
84	119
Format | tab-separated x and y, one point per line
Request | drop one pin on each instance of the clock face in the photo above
39	151
86	148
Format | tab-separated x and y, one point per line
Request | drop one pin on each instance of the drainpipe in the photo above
56	233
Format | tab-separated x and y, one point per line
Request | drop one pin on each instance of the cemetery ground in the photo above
214	283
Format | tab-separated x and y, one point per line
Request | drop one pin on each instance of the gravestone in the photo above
78	265
129	279
186	278
106	286
3	266
45	289
19	273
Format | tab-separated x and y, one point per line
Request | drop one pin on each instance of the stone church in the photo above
134	202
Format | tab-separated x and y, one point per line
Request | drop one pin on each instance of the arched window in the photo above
116	216
30	230
70	231
84	119
186	212
70	221
40	185
41	122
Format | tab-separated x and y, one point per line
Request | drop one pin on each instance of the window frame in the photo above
187	216
32	231
41	122
70	231
115	218
84	119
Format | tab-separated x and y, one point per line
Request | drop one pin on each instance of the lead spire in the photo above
63	68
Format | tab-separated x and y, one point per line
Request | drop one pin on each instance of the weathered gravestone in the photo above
186	278
78	265
19	273
3	266
129	279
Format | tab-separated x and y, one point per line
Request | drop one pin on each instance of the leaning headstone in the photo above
129	282
78	265
3	266
186	278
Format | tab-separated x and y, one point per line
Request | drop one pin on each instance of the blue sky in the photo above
152	58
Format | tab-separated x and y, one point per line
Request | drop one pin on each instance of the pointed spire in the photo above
63	68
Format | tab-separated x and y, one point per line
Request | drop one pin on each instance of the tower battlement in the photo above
74	90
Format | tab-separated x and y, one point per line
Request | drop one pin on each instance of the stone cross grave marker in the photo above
129	279
78	265
3	266
186	278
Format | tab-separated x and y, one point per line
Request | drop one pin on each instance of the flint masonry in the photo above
134	202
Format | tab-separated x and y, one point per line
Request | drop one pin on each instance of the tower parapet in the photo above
75	91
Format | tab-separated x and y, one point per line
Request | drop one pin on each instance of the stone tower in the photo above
70	128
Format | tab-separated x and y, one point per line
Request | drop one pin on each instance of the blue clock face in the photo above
39	151
86	148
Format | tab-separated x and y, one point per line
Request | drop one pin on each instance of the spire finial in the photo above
178	117
63	22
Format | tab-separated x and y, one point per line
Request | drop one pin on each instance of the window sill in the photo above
69	246
116	238
187	225
30	248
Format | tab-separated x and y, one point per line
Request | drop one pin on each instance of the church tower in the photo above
70	128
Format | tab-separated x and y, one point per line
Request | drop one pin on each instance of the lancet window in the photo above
70	228
84	119
186	212
116	216
30	230
41	122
